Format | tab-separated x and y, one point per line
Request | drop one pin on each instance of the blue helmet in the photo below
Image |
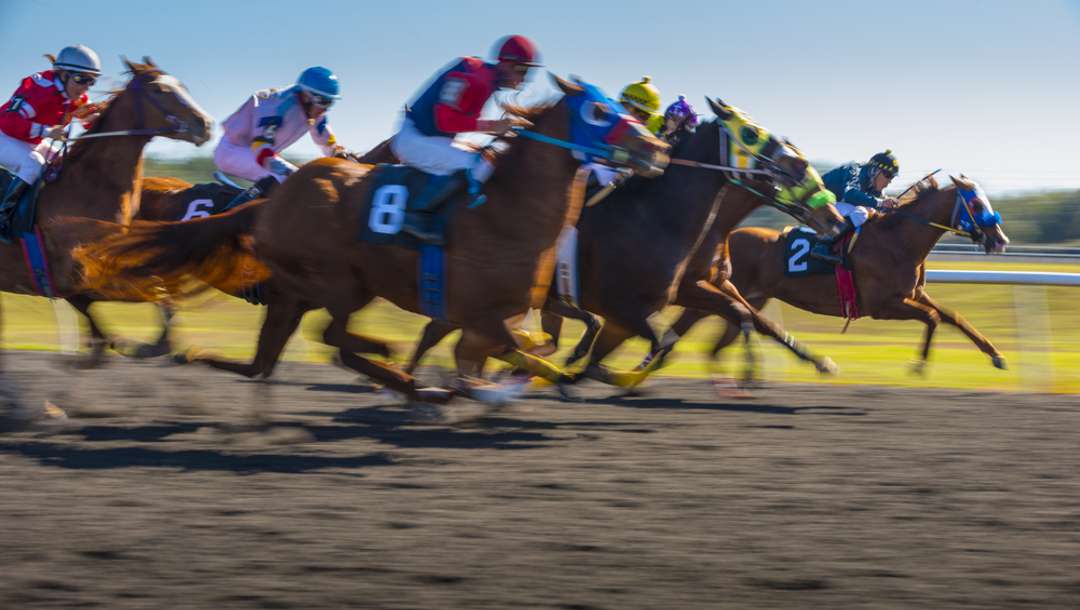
320	81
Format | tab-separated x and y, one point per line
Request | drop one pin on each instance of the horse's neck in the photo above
683	200
101	180
921	238
735	206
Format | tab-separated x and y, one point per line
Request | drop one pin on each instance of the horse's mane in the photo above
145	70
911	198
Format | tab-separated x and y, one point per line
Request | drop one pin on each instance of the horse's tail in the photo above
157	260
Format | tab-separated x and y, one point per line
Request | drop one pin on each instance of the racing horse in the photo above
888	262
100	178
305	237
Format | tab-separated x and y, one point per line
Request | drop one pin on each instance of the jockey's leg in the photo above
26	161
855	216
240	161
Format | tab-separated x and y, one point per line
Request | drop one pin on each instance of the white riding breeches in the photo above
432	154
23	159
857	213
240	161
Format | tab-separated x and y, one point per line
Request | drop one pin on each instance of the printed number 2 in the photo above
198	208
388	209
799	249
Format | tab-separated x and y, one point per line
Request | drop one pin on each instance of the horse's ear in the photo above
131	66
567	87
149	62
721	109
51	58
956	181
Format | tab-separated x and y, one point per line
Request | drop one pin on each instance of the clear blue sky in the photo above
991	88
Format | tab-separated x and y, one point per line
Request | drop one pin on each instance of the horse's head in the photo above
973	214
156	103
606	132
798	188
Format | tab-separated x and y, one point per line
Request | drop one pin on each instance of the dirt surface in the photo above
161	492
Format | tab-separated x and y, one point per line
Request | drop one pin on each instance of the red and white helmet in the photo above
517	49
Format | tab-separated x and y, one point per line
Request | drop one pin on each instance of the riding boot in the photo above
14	191
261	188
420	219
822	250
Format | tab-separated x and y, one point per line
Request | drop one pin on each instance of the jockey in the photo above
859	191
450	105
679	119
270	121
41	108
642	101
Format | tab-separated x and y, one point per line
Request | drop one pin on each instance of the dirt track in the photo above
157	493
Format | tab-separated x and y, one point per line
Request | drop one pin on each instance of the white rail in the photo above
1002	277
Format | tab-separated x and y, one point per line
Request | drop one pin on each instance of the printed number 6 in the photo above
799	249
388	209
198	208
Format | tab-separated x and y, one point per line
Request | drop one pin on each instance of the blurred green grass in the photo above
1043	351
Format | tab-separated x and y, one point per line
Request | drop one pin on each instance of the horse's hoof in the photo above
148	350
919	368
435	396
999	363
567	393
502	394
826	366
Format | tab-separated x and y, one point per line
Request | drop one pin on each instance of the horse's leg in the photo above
909	309
336	334
950	316
434	332
140	350
726	300
613	334
98	340
557	309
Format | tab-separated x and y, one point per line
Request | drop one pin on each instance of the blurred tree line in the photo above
1037	218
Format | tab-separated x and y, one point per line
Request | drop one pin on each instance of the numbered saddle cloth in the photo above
798	242
199	201
390	198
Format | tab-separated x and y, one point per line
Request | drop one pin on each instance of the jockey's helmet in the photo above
886	162
320	81
517	49
680	110
641	95
78	58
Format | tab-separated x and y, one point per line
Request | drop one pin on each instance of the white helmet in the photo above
79	58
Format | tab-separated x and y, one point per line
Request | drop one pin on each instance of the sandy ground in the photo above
161	492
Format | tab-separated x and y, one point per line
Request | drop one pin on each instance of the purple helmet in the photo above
682	111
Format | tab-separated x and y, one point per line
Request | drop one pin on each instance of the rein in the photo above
610	153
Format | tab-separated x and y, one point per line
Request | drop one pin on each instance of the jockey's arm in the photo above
324	138
461	99
856	196
263	143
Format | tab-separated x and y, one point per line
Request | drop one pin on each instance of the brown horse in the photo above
305	233
888	262
170	199
650	244
101	179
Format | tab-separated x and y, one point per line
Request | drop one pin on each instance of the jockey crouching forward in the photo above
450	105
642	100
270	121
859	193
42	107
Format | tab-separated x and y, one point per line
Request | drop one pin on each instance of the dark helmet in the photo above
517	49
886	162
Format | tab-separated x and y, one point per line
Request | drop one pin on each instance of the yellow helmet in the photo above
641	95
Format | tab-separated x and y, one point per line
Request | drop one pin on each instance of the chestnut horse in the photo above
306	235
101	179
650	244
166	199
888	262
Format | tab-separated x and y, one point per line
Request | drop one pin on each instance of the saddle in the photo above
798	242
390	198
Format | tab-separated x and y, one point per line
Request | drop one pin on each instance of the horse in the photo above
888	262
100	179
649	244
305	237
172	199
